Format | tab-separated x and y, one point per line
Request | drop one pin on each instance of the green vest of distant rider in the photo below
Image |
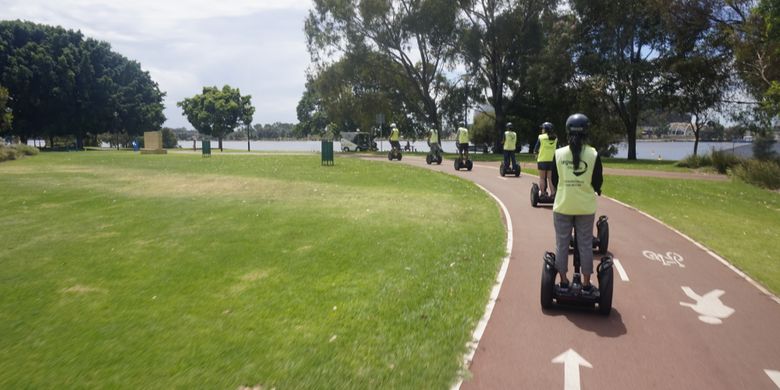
546	148
575	195
433	137
510	140
463	135
394	134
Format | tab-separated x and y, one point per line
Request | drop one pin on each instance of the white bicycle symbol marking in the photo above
668	259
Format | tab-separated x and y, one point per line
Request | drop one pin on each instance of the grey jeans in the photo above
583	225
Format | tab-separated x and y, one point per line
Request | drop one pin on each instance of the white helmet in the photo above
392	125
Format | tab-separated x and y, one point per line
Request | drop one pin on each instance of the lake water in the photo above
664	150
650	150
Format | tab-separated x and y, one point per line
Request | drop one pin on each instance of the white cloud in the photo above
255	45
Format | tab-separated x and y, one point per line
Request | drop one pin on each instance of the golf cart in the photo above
356	141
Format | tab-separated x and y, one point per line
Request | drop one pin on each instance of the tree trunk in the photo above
498	126
220	144
631	141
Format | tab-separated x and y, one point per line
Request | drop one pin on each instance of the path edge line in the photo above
709	251
482	324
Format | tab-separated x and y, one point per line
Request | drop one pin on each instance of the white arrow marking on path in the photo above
621	271
774	376
710	307
571	368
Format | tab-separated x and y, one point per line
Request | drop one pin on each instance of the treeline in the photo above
427	63
268	131
63	85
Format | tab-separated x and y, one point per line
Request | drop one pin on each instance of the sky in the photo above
257	46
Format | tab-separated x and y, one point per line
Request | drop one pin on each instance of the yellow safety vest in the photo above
394	134
463	135
510	140
575	194
546	148
434	137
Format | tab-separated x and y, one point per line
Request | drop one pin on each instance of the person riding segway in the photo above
545	151
463	160
433	142
510	147
577	174
395	145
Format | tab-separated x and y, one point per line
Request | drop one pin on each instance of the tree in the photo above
6	115
414	37
64	85
698	71
169	139
622	48
483	131
218	112
498	42
549	92
312	118
756	40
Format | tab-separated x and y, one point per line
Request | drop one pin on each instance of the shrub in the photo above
26	150
723	161
692	161
7	153
16	151
760	173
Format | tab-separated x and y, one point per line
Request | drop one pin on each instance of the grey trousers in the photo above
583	225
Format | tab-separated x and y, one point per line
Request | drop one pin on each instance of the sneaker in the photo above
563	286
590	289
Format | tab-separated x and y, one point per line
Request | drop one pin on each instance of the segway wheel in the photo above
502	170
399	156
469	165
548	285
534	195
548	280
603	235
606	283
428	159
517	171
390	156
438	160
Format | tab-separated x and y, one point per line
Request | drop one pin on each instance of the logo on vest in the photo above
577	172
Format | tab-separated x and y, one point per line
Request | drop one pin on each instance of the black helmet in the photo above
548	127
509	125
577	124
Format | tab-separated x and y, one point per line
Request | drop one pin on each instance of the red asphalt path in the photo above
682	320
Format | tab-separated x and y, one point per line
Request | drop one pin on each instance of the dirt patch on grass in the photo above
248	281
254	276
82	289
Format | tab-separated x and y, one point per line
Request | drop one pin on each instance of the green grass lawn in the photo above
738	221
175	271
648	165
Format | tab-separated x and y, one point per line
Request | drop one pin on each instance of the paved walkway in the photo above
681	318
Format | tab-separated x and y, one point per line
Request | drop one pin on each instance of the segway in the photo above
573	294
505	170
394	154
434	157
536	199
462	162
601	239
